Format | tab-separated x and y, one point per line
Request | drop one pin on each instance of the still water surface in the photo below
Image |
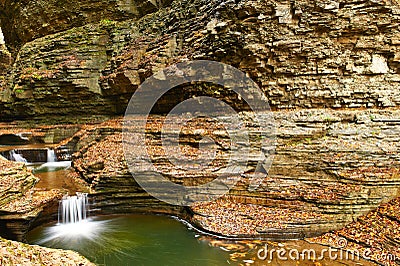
132	240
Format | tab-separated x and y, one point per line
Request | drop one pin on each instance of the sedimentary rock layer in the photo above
301	53
330	167
375	235
20	203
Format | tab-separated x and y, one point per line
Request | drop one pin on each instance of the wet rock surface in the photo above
24	202
31	132
99	161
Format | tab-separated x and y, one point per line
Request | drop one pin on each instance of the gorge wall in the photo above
330	167
20	202
330	70
303	54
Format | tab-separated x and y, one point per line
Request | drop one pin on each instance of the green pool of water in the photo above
132	240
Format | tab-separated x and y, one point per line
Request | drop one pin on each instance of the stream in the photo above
135	239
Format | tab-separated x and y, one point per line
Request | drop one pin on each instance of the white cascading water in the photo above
51	156
53	163
73	222
73	209
17	157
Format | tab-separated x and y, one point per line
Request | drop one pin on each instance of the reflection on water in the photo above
131	240
50	166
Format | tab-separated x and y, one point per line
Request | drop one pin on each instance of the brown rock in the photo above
22	254
317	55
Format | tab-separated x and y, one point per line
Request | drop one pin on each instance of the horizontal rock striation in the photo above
375	235
5	62
22	254
55	16
20	203
5	65
31	133
330	167
303	54
99	159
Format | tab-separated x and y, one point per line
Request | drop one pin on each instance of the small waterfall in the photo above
74	223
51	156
73	209
17	157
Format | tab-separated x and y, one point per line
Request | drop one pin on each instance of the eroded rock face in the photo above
5	57
26	132
302	54
20	203
5	65
330	167
28	20
18	253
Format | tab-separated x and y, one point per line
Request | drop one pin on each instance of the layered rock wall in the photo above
22	254
303	54
5	56
20	203
25	21
5	64
329	168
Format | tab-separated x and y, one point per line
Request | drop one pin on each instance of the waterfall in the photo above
74	223
17	157
73	209
51	156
